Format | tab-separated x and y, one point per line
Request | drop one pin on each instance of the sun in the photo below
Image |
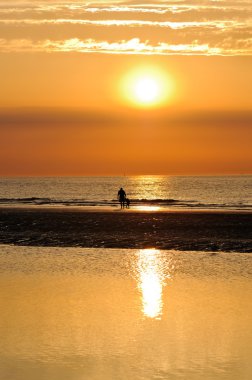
146	87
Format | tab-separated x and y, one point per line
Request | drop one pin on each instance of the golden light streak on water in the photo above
147	208
151	282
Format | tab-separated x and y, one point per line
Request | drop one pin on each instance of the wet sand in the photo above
183	230
114	314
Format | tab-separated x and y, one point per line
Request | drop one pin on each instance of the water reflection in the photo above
147	208
72	313
151	280
149	187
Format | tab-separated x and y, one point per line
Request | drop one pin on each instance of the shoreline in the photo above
111	209
187	230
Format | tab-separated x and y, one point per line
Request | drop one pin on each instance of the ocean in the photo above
169	192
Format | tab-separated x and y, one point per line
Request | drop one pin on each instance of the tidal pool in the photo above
116	314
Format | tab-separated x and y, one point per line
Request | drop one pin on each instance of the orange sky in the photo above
62	106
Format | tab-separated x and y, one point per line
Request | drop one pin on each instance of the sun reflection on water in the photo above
147	208
151	281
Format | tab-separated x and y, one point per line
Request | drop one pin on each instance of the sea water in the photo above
113	314
173	192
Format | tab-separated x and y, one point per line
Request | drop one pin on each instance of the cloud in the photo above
132	46
75	10
208	27
60	116
216	24
54	116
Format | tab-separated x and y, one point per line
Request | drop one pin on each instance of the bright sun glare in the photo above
147	87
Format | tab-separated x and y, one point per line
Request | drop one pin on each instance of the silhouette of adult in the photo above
121	197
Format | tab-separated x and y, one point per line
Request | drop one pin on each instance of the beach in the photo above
115	228
106	294
100	293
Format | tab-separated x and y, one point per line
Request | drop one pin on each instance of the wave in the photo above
162	203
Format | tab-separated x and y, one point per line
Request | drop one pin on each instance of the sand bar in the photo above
184	230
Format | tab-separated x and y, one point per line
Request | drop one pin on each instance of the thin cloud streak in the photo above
59	116
196	10
157	7
133	46
223	25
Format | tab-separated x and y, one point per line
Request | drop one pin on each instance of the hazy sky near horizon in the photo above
65	108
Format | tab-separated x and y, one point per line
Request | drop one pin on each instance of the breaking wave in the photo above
134	203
